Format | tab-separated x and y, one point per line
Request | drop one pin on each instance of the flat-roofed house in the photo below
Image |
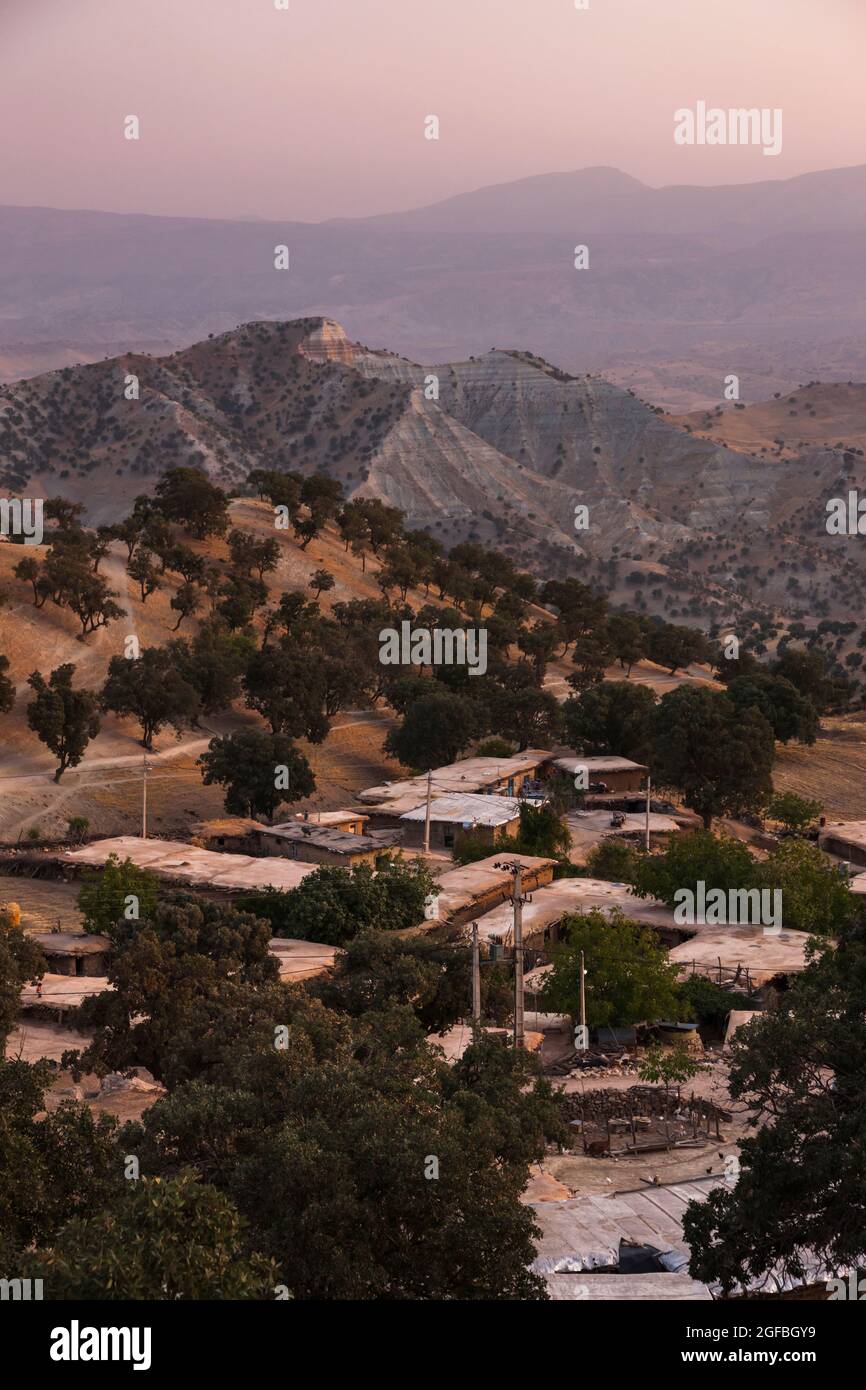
612	773
190	867
846	839
311	843
476	776
452	817
352	820
470	890
74	953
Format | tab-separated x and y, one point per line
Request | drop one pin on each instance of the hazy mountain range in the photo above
685	284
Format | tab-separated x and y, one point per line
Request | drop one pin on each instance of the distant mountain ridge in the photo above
685	284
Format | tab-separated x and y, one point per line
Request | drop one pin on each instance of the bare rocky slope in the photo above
700	511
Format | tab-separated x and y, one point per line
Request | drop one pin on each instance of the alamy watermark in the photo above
440	646
20	1290
846	516
22	517
755	907
712	125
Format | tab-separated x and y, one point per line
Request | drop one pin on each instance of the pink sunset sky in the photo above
250	111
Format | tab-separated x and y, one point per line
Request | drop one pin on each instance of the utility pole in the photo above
519	1040
517	899
476	983
648	785
144	764
582	1001
427	814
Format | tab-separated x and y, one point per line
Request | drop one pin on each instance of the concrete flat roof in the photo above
175	860
64	991
572	762
851	831
70	943
331	837
226	825
467	775
597	823
298	960
556	900
330	817
468	809
301	960
626	1288
460	888
766	953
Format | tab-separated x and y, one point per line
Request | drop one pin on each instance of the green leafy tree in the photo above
670	1067
53	1163
213	663
810	672
789	713
188	498
435	730
612	859
29	571
322	497
333	905
7	689
628	978
814	896
627	639
380	971
688	859
494	748
709	1004
529	717
321	581
800	1070
144	572
21	960
288	689
366	1112
673	647
193	986
151	690
612	717
104	897
719	757
259	771
65	719
172	1239
542	831
796	813
185	602
240	597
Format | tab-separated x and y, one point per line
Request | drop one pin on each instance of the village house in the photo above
482	776
312	843
453	817
845	839
472	889
604	774
74	953
240	835
191	867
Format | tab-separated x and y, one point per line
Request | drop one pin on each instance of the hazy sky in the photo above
319	112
